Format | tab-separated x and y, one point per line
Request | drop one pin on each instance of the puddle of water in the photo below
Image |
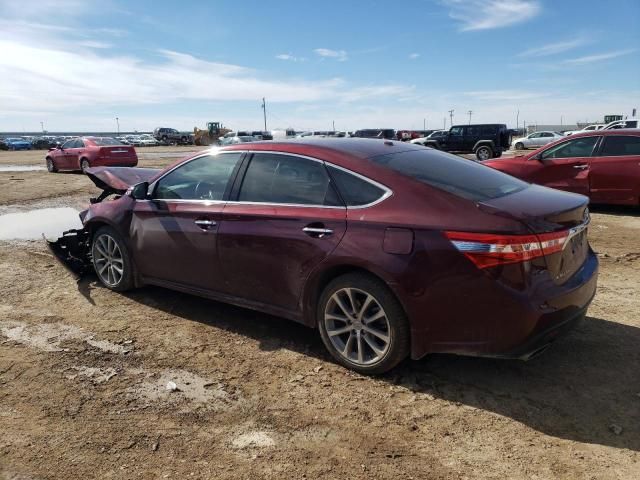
21	168
32	224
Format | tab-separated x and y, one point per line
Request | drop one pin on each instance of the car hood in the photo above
119	179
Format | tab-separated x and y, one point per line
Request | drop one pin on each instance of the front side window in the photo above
69	144
275	178
204	178
620	145
456	131
355	191
579	147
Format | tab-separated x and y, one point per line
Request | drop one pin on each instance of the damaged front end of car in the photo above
73	248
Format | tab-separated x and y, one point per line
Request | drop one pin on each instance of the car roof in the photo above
618	131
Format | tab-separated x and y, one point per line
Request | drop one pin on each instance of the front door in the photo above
174	233
615	171
564	166
454	140
286	218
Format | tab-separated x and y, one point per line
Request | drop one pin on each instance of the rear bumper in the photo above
485	319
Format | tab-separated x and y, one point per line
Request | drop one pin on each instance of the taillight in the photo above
488	250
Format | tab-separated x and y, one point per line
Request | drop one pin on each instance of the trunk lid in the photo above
118	152
119	179
545	211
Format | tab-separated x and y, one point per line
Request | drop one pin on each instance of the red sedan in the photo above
82	153
388	249
602	164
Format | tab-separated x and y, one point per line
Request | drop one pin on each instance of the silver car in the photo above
537	139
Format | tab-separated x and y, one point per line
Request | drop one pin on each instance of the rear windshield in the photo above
453	174
104	141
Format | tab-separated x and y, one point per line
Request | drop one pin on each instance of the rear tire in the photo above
111	260
84	164
362	324
519	146
483	153
51	166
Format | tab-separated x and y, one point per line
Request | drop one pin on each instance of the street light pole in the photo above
517	119
42	126
118	124
264	109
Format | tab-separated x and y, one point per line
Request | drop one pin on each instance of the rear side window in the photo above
355	191
578	147
204	178
105	141
619	146
453	174
275	178
489	130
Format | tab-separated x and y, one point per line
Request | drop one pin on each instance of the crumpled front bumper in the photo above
72	249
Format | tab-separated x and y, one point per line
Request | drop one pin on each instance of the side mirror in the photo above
139	191
58	145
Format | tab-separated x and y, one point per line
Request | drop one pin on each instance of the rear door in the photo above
564	166
174	234
284	220
615	171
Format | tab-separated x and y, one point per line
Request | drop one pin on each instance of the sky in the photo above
79	64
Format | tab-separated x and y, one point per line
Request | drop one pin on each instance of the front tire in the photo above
519	146
362	324
84	164
111	260
484	153
51	166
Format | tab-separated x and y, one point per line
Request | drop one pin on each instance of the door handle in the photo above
205	224
317	232
581	167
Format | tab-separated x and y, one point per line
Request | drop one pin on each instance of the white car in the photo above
628	123
433	135
590	128
148	141
537	139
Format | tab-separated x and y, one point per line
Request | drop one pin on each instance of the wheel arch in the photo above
484	143
318	282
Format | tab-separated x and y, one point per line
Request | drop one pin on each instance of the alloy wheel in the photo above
357	326
483	153
108	260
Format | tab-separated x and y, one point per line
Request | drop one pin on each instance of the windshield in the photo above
459	176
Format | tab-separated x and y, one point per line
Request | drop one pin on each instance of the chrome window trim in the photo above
387	191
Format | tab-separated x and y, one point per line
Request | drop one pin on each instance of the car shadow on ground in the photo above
582	389
622	210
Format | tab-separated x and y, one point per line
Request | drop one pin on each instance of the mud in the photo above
87	382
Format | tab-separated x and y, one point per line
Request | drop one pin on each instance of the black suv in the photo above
486	140
171	135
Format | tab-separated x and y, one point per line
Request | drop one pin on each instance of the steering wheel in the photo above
204	191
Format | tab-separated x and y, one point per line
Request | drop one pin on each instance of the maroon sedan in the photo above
602	164
389	249
85	152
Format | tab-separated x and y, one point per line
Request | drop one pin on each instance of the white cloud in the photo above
289	57
598	57
340	55
504	95
413	56
553	48
490	14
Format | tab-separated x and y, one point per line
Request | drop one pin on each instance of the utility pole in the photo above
561	120
470	112
42	126
424	124
333	122
264	110
118	124
451	116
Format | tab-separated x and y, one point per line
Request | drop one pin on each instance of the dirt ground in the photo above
84	374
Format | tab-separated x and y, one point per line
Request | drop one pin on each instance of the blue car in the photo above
17	144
